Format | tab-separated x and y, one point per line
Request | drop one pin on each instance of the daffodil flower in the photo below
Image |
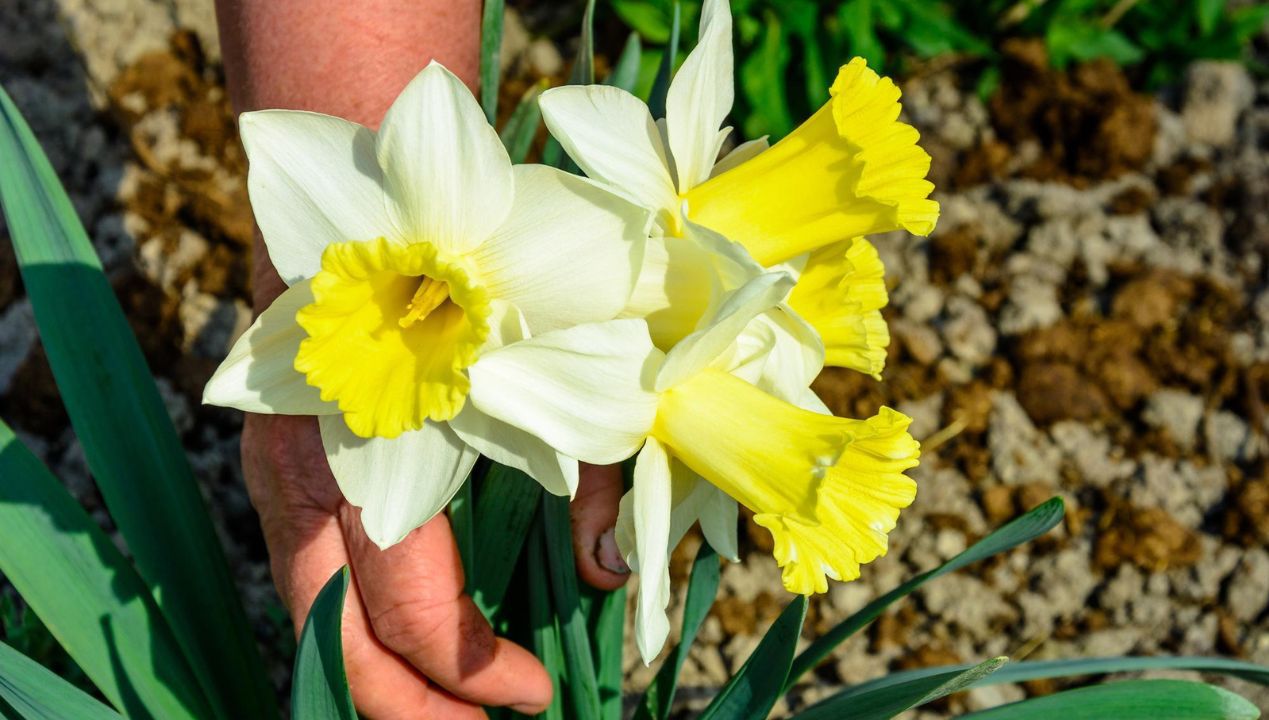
828	489
851	170
413	255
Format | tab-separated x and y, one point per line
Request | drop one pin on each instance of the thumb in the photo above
594	515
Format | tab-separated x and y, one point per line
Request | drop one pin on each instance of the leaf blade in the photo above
142	473
33	693
1129	700
755	688
1024	528
319	687
702	588
92	601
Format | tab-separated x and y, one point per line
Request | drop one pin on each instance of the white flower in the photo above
415	255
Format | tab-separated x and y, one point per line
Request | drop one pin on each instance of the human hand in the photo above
414	645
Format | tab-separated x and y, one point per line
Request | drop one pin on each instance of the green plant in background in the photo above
162	634
788	50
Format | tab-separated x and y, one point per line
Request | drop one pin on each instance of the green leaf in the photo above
661	85
319	687
490	57
583	73
583	687
87	594
31	692
1208	13
461	524
507	502
652	20
887	696
1129	700
856	17
1025	528
522	127
609	640
702	588
127	437
543	620
1042	669
755	688
762	83
625	74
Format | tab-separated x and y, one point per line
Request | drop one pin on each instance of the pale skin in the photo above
415	646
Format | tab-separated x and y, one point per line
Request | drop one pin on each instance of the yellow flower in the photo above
708	436
828	489
852	169
840	293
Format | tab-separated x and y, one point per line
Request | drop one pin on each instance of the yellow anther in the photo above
428	297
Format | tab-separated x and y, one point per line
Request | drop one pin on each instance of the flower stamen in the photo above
428	297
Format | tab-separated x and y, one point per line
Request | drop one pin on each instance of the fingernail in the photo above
608	555
526	708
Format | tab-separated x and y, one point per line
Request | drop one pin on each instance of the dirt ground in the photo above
1090	320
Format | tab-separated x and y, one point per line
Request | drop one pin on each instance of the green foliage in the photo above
1130	700
131	447
788	51
30	692
319	687
890	695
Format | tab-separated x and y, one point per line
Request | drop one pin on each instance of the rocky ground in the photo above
1090	319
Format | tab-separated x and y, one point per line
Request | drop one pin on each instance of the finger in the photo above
386	687
594	513
414	598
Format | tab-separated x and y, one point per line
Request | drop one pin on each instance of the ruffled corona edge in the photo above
856	506
866	111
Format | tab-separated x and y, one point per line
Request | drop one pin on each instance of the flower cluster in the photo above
445	304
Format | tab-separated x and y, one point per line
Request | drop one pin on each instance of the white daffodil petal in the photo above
313	180
739	154
808	400
720	519
259	374
796	356
610	134
703	347
447	175
568	252
651	502
506	326
400	483
586	390
700	98
513	447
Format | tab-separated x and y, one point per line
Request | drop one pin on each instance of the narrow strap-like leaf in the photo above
1129	700
507	503
1024	528
319	687
462	523
543	621
121	423
608	642
702	588
1043	669
625	73
86	593
517	135
755	688
583	687
490	57
661	85
30	692
583	73
885	698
